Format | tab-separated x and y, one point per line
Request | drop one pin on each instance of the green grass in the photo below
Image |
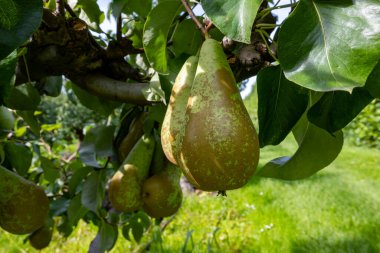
336	210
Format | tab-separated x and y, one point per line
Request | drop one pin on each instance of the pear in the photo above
162	193
126	184
175	116
220	148
23	205
7	121
41	238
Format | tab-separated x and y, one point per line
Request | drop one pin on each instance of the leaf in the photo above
317	149
18	20
234	18
76	210
58	206
23	97
330	45
19	156
373	82
92	10
28	117
187	38
98	142
156	30
105	238
94	103
338	108
93	191
153	92
281	104
51	172
140	7
78	176
7	73
52	85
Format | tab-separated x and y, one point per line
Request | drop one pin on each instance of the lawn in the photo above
336	210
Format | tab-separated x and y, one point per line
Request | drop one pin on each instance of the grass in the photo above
336	210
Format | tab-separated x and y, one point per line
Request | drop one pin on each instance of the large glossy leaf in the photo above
23	97
93	190
18	20
187	38
91	10
97	143
338	108
19	156
78	176
373	82
330	45
51	171
281	105
234	18
105	238
317	149
7	72
156	31
76	210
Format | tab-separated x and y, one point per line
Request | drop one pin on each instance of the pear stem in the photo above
194	18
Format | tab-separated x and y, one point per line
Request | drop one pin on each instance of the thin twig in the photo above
70	11
194	18
118	28
60	7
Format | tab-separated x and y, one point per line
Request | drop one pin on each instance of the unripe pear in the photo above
172	130
126	185
23	205
220	148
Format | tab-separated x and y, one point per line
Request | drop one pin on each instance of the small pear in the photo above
23	205
126	185
41	238
162	193
220	148
172	129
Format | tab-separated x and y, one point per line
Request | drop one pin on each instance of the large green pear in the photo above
41	238
162	192
172	130
125	187
220	148
23	205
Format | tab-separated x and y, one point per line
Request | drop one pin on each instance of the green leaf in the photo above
338	108
94	103
105	238
19	156
156	30
28	117
58	206
234	18
7	73
52	85
92	10
281	105
78	176
98	142
76	210
373	82
154	92
23	97
187	38
330	45
137	34
93	191
51	172
140	7
317	149
18	20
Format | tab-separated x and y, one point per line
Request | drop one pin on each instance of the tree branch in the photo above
194	18
112	89
60	7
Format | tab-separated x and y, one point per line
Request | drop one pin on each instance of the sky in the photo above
110	24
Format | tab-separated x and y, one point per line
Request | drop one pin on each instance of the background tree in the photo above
315	72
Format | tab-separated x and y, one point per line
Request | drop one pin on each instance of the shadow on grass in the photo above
357	243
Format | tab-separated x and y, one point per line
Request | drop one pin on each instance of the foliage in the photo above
364	129
324	70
